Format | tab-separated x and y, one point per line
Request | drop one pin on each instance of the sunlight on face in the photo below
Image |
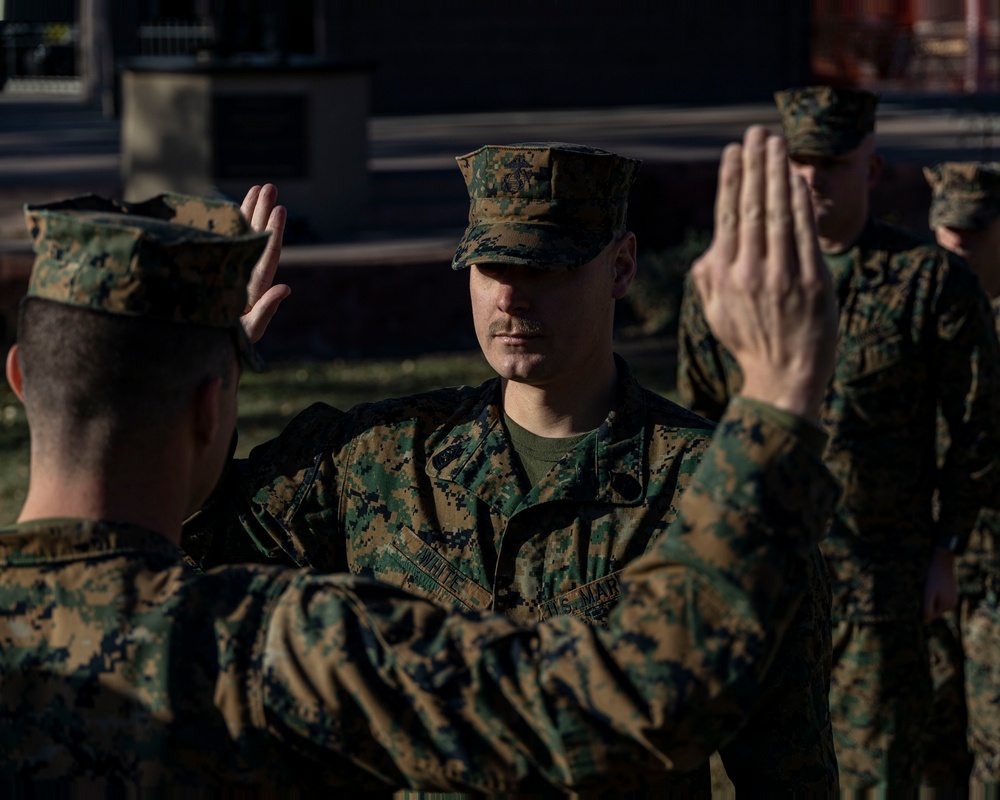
541	326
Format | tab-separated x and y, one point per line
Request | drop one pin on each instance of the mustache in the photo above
516	325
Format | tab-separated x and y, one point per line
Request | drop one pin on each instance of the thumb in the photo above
256	320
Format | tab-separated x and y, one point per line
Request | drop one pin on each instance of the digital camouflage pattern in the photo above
916	337
914	324
948	761
982	684
824	121
955	699
426	493
965	195
880	704
123	670
543	204
173	258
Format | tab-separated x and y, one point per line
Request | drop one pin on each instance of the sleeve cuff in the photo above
812	436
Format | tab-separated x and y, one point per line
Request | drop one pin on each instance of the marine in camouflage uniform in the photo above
916	339
965	216
123	671
431	492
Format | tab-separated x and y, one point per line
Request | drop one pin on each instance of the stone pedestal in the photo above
222	126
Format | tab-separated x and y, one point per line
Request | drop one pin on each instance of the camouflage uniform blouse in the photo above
980	558
122	669
916	336
425	493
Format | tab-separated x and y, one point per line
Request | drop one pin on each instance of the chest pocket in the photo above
412	564
591	602
880	380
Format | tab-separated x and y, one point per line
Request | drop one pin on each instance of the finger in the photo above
780	240
812	266
265	205
263	272
250	201
724	239
256	320
752	240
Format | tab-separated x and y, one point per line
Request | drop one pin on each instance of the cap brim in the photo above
963	217
540	246
819	144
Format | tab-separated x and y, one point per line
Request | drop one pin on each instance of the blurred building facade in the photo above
455	56
451	55
907	45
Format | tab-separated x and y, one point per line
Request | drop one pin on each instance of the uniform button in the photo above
627	486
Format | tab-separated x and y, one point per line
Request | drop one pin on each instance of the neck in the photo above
140	492
559	410
838	241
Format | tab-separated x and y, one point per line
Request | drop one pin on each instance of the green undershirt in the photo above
538	454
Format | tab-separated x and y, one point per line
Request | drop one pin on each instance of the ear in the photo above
624	264
205	411
14	377
875	165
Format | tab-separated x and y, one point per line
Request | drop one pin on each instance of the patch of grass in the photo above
270	399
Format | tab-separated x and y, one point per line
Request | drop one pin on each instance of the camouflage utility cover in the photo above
173	258
122	669
426	493
824	121
542	204
966	195
916	337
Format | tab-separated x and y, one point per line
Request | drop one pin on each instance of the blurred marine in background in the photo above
965	218
916	341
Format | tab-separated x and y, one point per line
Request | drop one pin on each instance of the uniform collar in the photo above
51	540
607	466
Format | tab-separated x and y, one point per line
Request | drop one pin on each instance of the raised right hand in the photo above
767	293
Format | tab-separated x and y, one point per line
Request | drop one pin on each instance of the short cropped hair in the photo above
83	368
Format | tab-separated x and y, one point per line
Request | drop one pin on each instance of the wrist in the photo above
802	399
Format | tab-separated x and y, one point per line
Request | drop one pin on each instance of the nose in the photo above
511	297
